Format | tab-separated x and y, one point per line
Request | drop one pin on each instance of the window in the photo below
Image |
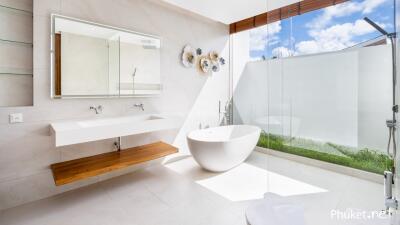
330	29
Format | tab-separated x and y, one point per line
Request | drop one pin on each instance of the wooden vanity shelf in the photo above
78	169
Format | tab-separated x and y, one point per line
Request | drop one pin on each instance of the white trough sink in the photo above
74	132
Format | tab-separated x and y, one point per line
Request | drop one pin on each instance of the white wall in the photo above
341	97
27	150
16	81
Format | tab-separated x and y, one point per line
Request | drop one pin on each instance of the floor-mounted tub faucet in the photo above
226	115
98	109
390	201
141	106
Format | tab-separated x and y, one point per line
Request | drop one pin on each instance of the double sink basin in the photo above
74	132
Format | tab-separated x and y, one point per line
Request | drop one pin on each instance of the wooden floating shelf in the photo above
83	168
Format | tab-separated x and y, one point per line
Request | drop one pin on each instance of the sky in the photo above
330	29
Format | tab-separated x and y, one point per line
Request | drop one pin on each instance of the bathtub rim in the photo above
256	130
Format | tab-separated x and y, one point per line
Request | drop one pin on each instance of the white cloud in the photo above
370	5
266	35
341	10
307	47
329	13
325	35
328	37
282	52
334	38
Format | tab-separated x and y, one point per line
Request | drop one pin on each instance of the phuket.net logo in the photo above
356	214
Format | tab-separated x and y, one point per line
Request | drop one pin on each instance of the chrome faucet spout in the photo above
141	106
98	109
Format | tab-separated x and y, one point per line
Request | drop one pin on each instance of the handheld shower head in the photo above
376	26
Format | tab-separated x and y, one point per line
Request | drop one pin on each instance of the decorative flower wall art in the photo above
206	63
188	57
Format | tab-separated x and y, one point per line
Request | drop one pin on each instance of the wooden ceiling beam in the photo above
282	13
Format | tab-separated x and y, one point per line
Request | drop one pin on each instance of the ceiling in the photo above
229	11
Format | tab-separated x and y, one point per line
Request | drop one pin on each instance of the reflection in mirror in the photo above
140	66
93	60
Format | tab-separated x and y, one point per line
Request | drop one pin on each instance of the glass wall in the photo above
396	218
319	84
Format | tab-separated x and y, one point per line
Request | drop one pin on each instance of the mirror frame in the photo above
52	59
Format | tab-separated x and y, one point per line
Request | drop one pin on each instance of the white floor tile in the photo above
181	193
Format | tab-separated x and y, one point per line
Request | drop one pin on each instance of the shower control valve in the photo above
395	108
391	123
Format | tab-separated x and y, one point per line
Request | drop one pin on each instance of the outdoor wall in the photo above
340	97
375	96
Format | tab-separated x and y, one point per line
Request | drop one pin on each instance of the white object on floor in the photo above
273	210
221	148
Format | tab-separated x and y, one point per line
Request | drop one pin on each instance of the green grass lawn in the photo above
364	159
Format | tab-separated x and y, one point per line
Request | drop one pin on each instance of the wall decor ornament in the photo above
222	61
188	56
214	56
199	51
206	63
215	67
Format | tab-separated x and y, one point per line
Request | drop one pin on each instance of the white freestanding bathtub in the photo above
222	148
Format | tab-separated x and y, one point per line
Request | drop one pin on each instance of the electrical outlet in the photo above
16	118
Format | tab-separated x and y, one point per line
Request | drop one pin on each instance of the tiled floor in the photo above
181	193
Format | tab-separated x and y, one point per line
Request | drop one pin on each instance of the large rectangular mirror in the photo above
95	60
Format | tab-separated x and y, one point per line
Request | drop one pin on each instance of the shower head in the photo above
376	26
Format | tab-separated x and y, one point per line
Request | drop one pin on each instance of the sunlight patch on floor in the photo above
244	182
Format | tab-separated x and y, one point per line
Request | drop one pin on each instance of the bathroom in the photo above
186	106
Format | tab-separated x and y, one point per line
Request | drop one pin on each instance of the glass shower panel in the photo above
275	127
275	119
396	219
326	104
329	106
249	80
322	90
335	105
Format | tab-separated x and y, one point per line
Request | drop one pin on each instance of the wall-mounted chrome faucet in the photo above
141	106
203	127
134	72
98	109
133	80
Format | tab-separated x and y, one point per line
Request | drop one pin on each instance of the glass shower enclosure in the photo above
320	91
325	105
